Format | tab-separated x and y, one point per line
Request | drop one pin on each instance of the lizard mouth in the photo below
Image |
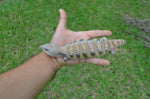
42	47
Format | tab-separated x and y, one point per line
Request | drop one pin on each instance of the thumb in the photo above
63	19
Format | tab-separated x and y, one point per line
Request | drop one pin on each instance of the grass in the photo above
25	25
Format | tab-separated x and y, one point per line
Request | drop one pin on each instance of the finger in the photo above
97	33
97	61
88	60
63	19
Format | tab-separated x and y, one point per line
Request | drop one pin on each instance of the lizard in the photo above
83	48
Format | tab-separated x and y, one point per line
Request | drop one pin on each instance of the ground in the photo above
25	25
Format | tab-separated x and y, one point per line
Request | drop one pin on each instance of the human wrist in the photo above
53	61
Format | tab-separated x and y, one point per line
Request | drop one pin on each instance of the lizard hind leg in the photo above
112	51
65	59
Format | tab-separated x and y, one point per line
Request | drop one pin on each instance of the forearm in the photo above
28	80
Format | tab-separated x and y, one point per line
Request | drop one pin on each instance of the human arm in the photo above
28	80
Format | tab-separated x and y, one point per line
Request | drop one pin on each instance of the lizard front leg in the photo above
65	59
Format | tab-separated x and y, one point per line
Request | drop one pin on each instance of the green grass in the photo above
25	25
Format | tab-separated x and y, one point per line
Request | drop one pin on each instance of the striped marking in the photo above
84	52
106	46
121	42
87	48
92	52
109	46
102	44
71	51
95	47
77	52
99	46
97	50
118	42
80	49
114	46
74	55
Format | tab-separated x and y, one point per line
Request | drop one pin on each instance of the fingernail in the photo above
107	62
109	32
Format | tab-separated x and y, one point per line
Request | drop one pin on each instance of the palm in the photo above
67	36
64	36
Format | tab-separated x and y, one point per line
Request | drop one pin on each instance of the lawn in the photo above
27	24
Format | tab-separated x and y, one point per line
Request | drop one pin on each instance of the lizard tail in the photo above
117	42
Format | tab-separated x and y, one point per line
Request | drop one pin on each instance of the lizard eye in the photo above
46	49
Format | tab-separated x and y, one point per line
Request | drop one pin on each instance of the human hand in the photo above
64	36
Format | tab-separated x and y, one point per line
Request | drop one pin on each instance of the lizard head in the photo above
51	49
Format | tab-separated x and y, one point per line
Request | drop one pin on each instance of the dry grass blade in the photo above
144	25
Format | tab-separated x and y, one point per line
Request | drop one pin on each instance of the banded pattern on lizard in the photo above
83	48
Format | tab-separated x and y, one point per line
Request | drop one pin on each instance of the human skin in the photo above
28	80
